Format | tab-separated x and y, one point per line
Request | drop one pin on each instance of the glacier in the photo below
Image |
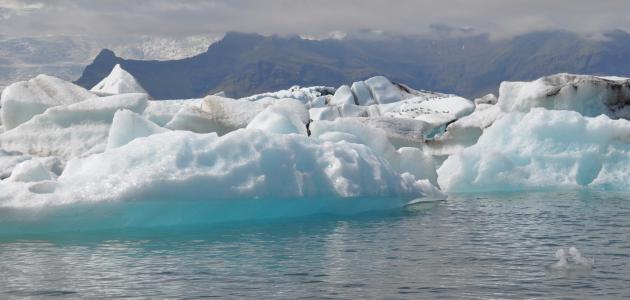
374	138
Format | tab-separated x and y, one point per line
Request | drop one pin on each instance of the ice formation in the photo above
162	112
286	116
31	171
589	95
220	115
23	100
375	137
242	164
353	130
70	130
543	149
128	126
572	260
118	81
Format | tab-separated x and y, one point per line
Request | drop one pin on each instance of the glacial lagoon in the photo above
469	246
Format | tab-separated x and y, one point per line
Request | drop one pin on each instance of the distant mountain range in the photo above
22	58
243	64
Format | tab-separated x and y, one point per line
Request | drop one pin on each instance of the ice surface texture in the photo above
242	164
543	149
23	100
118	81
374	138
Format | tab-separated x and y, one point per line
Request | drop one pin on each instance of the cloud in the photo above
10	8
308	17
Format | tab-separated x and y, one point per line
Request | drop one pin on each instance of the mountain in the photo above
242	64
22	58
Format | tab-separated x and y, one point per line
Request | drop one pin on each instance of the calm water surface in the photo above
490	246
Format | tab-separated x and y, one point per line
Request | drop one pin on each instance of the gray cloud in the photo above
309	17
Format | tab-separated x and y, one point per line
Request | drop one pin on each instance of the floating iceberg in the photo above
118	81
220	115
374	138
354	130
31	171
23	100
242	164
128	126
285	116
303	94
572	260
543	149
589	95
70	130
342	96
161	112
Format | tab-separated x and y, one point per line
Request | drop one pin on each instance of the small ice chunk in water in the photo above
572	259
562	262
580	260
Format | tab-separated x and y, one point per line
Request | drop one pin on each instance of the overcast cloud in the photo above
309	17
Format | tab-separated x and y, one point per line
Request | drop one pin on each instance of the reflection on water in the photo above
468	247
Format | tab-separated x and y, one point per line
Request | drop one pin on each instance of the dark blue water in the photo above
491	246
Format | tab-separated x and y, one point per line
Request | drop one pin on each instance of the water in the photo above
491	246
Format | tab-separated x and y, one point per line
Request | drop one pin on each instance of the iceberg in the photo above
489	99
465	131
373	138
128	126
303	94
161	112
220	115
354	130
383	90
118	81
342	96
589	95
31	171
239	165
284	117
70	130
8	160
362	93
23	100
543	149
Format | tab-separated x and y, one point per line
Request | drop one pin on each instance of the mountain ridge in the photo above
242	64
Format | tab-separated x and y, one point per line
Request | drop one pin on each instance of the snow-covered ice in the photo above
23	100
242	164
286	116
589	95
371	138
70	130
118	81
543	149
128	126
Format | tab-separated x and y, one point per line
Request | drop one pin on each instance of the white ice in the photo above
31	170
354	130
543	149
118	81
23	100
128	126
70	130
572	260
242	164
284	117
588	95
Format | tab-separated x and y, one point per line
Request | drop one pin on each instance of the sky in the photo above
173	18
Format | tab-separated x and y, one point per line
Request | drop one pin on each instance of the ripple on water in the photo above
470	246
